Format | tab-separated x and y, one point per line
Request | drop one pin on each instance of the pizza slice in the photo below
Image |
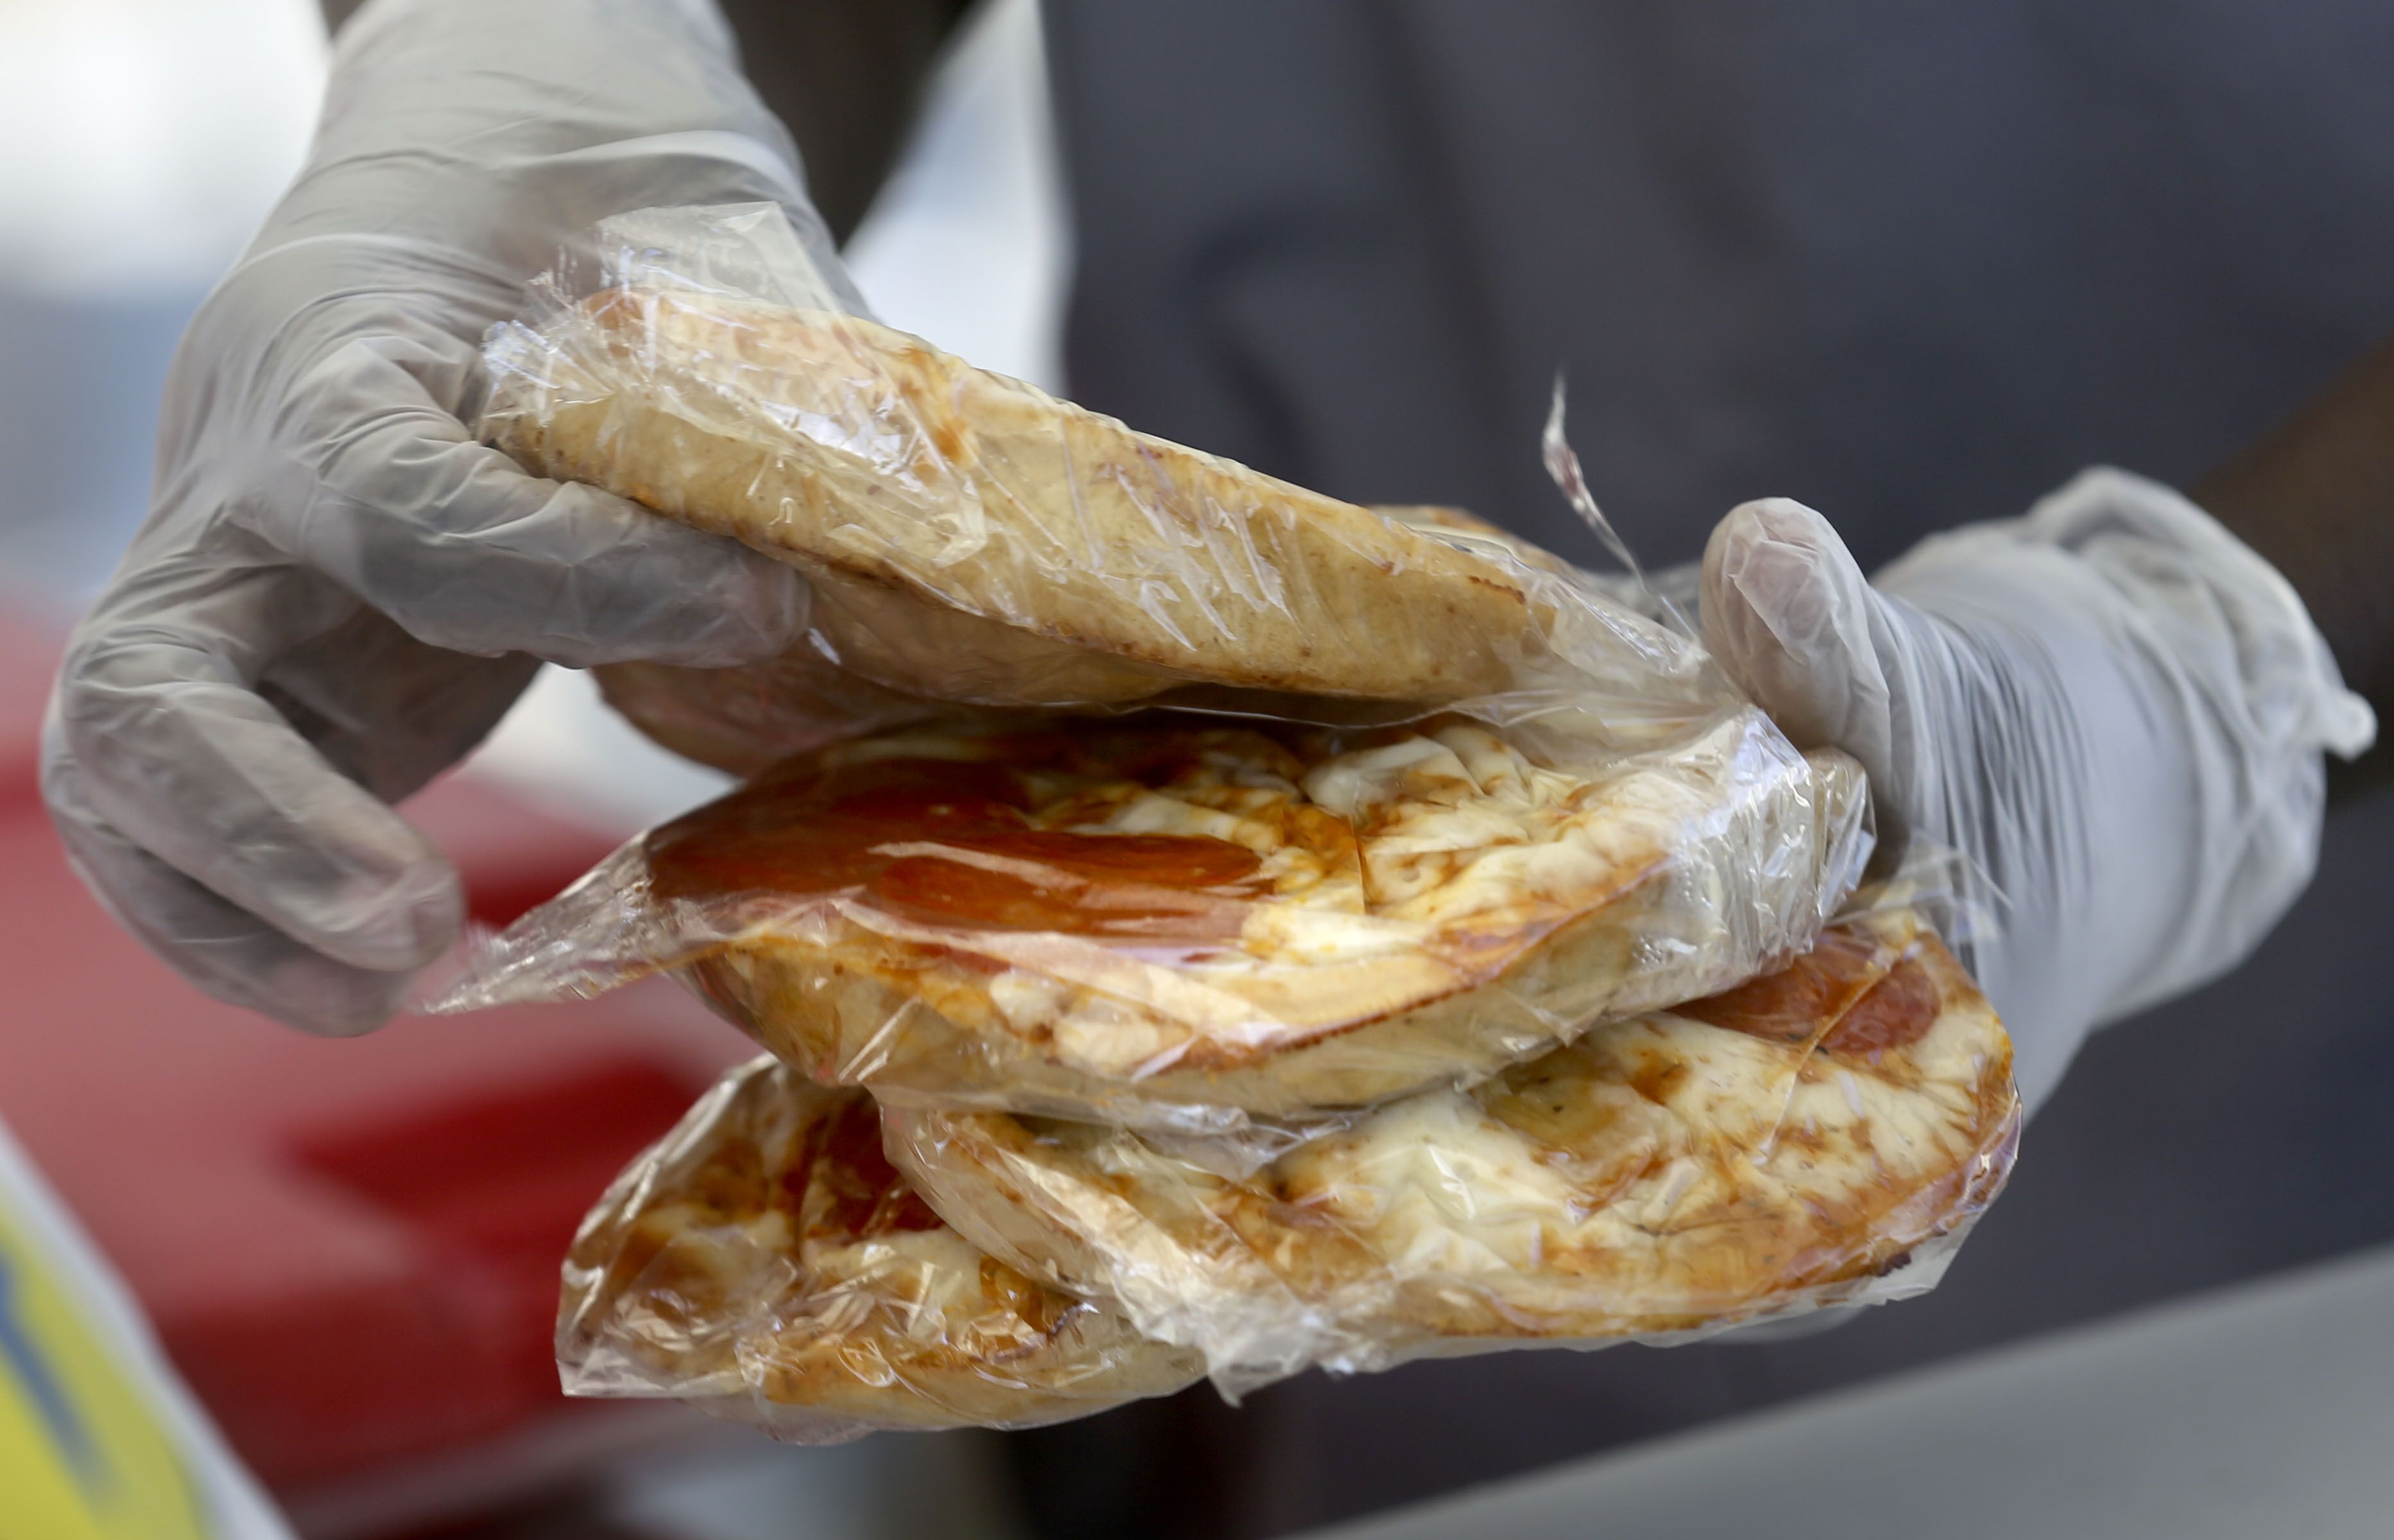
972	538
1821	1134
765	1262
1193	926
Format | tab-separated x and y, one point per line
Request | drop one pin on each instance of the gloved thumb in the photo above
1790	616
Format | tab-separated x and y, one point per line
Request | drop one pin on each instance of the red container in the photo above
349	1247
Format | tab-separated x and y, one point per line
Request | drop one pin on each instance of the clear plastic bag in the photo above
1449	798
1232	824
970	539
1207	929
764	1262
1822	1136
1817	1139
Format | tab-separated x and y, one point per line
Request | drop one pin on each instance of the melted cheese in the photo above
1659	1172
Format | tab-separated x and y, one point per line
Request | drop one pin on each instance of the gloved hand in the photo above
338	592
2111	706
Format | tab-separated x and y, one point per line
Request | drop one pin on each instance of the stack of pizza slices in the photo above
1202	927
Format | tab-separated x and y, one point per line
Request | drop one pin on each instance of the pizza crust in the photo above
973	539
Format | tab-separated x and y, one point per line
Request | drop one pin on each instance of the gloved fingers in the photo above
1790	616
386	710
382	489
157	727
233	955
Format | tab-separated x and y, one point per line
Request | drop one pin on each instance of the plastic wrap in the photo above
1254	914
1206	928
1449	799
1821	1136
764	1262
970	539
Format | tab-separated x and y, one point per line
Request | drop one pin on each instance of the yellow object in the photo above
83	1453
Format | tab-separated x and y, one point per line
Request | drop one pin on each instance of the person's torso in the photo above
1912	265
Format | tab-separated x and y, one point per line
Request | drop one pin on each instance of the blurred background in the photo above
376	1392
2228	1136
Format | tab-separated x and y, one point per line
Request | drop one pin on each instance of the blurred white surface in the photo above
970	244
147	138
2262	1410
564	750
145	141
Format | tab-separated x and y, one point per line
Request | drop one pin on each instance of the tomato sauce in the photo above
1789	1006
1846	979
1900	1010
949	842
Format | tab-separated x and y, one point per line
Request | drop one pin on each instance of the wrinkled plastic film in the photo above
1823	1137
1660	601
969	538
1487	801
1369	911
1264	926
764	1263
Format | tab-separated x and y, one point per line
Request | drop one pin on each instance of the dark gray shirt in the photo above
1910	263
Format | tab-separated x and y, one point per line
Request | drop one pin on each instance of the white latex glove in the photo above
338	592
2112	705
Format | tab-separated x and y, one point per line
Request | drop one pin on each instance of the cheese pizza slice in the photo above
1192	927
972	538
1821	1134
